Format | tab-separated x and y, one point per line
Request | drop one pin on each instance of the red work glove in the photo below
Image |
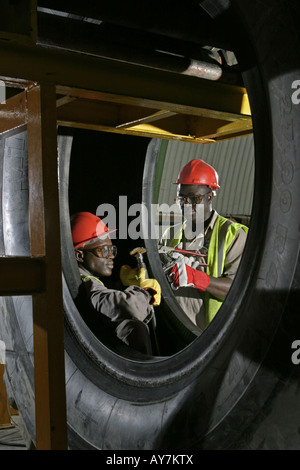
182	275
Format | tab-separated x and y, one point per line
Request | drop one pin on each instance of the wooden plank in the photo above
21	275
13	113
4	414
16	18
48	329
75	70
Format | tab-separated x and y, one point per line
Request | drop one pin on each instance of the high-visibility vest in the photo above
223	234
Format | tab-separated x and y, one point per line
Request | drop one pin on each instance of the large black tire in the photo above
236	385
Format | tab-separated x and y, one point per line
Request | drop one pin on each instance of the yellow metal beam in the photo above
210	111
237	128
121	117
129	115
146	119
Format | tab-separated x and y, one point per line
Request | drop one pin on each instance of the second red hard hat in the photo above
87	227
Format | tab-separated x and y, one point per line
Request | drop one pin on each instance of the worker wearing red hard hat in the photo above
126	313
200	173
201	283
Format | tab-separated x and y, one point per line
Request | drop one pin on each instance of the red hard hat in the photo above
199	172
87	227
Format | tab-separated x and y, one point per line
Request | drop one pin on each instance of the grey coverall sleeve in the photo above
116	305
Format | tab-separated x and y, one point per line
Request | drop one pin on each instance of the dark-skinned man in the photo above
125	312
200	289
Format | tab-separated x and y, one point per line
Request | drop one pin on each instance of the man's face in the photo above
93	260
198	198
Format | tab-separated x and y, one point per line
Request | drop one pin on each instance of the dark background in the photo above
103	167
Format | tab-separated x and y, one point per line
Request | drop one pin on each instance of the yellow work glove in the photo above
151	285
137	277
129	276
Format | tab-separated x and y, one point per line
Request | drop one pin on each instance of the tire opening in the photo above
129	164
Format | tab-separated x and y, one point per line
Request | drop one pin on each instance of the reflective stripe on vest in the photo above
85	278
221	245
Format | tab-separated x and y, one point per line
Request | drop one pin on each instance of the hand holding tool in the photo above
168	249
142	276
182	275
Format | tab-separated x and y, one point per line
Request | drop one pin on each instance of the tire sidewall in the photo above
191	392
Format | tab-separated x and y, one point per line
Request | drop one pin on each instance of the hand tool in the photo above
138	253
167	249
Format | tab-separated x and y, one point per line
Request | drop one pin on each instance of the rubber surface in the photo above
235	386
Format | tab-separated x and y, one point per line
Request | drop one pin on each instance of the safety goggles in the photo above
104	251
191	199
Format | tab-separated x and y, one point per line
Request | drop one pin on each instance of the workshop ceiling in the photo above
118	68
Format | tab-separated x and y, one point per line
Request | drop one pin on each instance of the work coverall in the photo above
126	313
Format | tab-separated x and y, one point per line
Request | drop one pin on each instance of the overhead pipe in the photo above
203	70
79	36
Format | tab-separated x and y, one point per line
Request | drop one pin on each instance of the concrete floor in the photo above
11	437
